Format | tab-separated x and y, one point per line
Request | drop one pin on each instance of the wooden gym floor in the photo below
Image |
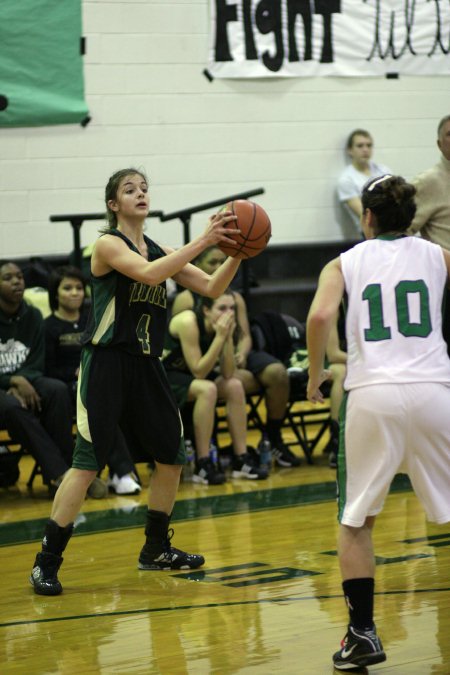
267	601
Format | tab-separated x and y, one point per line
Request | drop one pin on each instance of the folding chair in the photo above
307	422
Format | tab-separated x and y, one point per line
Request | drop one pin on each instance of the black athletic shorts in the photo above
258	360
117	389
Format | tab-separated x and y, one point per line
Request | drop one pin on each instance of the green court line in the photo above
27	531
431	537
207	605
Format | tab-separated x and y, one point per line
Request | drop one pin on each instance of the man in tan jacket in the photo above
432	217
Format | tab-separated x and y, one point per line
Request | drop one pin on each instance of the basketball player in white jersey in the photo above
395	414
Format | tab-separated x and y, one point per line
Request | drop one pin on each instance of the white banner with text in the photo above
342	38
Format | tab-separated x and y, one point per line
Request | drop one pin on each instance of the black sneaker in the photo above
359	648
284	457
207	473
44	575
169	558
244	466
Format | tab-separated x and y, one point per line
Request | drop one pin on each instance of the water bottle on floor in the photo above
265	453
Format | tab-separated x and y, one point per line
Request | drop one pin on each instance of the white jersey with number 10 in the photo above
394	318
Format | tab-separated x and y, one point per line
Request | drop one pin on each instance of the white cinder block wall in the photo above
152	107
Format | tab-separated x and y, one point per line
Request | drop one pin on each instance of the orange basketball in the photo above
255	229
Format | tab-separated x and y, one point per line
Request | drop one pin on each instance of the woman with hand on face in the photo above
122	383
257	369
200	362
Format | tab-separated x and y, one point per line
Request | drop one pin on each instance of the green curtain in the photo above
41	66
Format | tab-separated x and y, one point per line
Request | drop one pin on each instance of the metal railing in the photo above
186	214
76	221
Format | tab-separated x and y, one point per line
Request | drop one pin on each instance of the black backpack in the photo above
279	334
284	337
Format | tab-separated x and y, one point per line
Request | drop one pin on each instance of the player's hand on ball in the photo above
254	227
220	227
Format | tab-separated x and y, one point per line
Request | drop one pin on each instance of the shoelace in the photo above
167	548
369	634
171	550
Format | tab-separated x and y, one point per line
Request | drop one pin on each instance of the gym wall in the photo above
152	107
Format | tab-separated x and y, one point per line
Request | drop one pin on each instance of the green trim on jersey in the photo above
104	308
390	237
181	454
83	379
342	466
84	455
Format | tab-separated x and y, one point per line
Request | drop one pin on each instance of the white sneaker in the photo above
127	485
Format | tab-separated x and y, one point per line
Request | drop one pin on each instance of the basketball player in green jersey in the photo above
122	382
395	414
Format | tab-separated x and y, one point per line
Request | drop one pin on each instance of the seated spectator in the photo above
63	332
200	363
352	180
256	368
65	325
36	410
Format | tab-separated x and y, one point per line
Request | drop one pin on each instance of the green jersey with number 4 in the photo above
128	314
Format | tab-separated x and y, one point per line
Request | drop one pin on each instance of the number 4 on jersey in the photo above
143	333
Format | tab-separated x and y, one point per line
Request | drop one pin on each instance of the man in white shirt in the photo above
357	173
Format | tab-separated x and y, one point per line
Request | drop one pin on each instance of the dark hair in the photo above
443	121
357	132
56	276
111	193
8	262
201	256
391	200
203	301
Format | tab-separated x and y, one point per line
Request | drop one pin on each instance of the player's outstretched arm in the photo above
112	253
207	285
320	319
